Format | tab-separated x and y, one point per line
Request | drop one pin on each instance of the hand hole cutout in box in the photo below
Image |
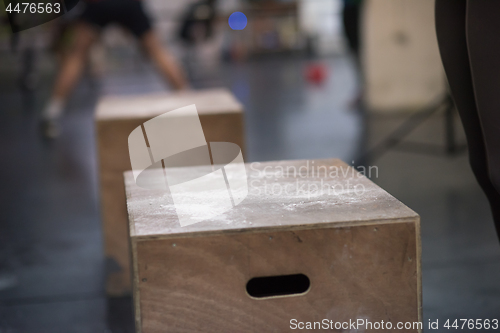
279	285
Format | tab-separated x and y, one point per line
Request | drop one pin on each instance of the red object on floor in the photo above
316	73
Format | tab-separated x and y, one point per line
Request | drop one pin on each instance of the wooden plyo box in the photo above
221	117
358	246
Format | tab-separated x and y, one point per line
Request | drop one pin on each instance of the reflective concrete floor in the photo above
51	264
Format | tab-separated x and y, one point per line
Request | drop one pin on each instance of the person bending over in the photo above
98	13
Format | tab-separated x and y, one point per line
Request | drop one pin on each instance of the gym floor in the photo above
51	263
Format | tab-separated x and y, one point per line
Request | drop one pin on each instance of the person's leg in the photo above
69	74
451	34
350	19
351	16
132	15
73	64
483	40
165	62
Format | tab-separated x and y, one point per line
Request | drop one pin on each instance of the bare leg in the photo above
166	63
70	72
74	62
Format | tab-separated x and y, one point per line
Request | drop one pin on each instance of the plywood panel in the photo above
274	200
198	285
221	117
361	252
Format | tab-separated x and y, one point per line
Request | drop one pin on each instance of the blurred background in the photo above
309	89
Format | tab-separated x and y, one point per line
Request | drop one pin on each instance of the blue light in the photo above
237	21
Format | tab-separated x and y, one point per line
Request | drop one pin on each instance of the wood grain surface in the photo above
361	253
198	285
221	117
208	101
274	201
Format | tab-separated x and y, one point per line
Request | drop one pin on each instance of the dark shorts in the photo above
128	13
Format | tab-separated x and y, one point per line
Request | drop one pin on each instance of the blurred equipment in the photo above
196	29
401	65
320	22
198	22
316	73
272	27
395	140
237	21
351	17
280	255
221	117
